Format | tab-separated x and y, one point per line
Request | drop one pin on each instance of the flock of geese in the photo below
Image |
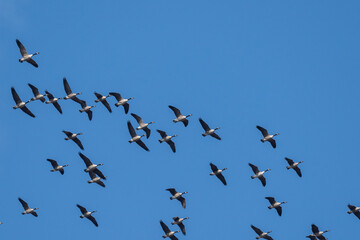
96	176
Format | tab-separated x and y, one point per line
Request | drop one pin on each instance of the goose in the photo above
317	233
37	95
27	209
208	130
354	210
54	101
294	165
69	93
87	214
258	174
167	139
275	204
56	166
20	104
178	196
179	221
267	137
90	167
135	137
25	56
168	233
142	125
179	116
86	108
121	101
73	136
95	179
218	173
102	99
261	234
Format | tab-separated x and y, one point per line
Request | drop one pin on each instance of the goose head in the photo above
79	134
36	53
276	134
269	232
131	98
79	93
100	164
189	115
93	211
65	165
301	161
151	122
267	170
224	169
175	135
283	202
35	208
184	193
217	128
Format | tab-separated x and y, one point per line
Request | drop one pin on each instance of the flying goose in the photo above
294	165
317	233
258	174
27	209
178	196
208	130
95	179
179	221
168	233
54	101
73	136
25	56
275	204
20	104
90	167
37	95
261	234
102	99
142	125
179	116
86	108
86	214
121	101
354	210
69	93
218	173
56	166
135	137
267	137
167	139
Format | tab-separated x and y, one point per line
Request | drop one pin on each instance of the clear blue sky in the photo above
289	66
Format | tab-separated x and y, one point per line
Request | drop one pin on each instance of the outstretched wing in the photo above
57	106
137	118
222	179
164	227
182	228
27	111
116	95
107	105
273	143
15	96
214	135
32	62
131	129
90	114
67	133
147	131
263	180
254	168
98	95
24	204
173	237
183	201
54	164
271	200
49	95
142	144
298	171
263	131
93	220
185	122
162	133
86	160
78	142
34	89
21	48
172	191
290	161
126	107
213	167
82	209
34	214
175	110
257	230
99	173
172	145
279	210
204	125
314	229
67	86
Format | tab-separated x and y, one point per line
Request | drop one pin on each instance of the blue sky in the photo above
289	66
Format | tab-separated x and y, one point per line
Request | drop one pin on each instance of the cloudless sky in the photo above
289	66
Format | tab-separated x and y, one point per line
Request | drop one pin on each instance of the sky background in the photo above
289	66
